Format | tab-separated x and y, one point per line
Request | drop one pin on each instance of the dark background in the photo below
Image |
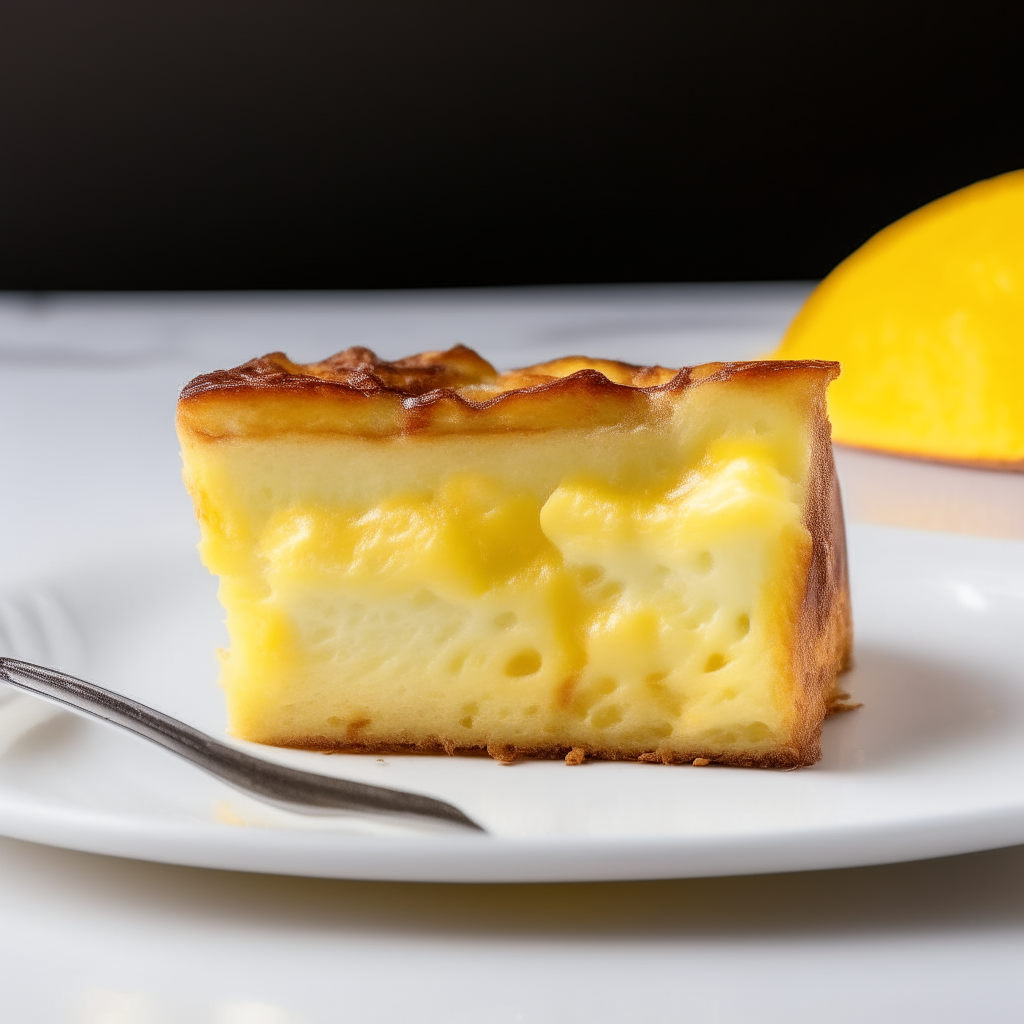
194	144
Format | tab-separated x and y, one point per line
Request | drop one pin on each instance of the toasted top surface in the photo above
456	391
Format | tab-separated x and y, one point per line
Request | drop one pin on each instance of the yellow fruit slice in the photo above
927	319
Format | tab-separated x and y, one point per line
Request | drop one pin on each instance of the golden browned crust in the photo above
357	369
825	636
356	393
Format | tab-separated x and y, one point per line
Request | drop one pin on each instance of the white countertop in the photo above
89	459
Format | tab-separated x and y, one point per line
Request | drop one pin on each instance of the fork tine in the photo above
33	626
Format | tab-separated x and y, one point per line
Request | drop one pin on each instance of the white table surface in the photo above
89	460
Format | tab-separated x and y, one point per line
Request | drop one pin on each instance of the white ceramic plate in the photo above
932	764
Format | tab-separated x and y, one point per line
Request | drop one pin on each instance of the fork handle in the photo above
294	790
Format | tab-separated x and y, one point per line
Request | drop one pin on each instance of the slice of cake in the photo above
581	558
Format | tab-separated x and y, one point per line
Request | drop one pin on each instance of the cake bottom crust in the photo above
782	757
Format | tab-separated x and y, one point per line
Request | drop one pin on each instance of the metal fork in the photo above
288	788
